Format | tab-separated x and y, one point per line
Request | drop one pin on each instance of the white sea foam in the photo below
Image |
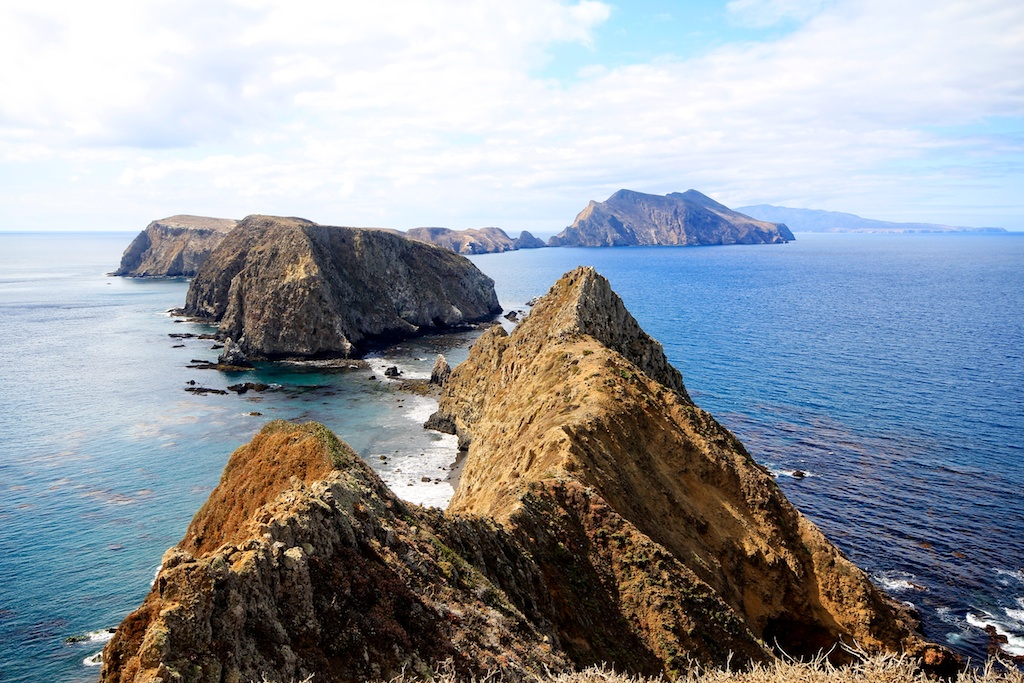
1014	644
94	660
897	582
101	636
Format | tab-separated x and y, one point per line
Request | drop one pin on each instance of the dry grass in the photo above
876	669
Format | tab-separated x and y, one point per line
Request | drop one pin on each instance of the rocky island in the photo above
688	218
815	220
601	517
471	241
287	287
173	247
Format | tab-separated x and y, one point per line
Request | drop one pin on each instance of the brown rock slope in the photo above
173	247
688	218
601	517
303	562
288	287
578	409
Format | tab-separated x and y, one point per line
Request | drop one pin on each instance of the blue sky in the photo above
468	113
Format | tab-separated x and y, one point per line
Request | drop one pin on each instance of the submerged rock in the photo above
287	287
630	218
173	247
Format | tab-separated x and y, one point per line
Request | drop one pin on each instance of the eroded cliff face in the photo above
287	287
578	397
173	247
678	219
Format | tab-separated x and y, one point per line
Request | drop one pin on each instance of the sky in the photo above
473	113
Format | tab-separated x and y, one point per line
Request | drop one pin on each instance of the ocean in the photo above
880	377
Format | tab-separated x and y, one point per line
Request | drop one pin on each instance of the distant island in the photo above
472	241
174	246
813	220
688	218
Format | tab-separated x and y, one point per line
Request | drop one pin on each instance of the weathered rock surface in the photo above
578	399
287	287
473	241
173	247
601	517
678	219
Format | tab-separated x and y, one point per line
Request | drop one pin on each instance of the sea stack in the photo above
173	247
287	287
688	218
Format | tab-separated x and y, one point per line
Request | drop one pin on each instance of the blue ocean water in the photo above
888	368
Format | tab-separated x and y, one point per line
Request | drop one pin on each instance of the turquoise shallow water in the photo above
889	368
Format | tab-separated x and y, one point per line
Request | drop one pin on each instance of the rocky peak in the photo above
582	303
579	398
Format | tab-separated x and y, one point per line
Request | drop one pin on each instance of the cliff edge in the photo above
173	247
688	218
287	287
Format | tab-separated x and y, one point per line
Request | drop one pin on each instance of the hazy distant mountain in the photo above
630	218
813	220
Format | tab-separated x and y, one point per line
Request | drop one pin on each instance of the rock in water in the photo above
679	219
441	371
601	517
287	287
173	247
526	240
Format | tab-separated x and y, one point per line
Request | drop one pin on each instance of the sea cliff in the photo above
601	517
287	287
688	218
173	247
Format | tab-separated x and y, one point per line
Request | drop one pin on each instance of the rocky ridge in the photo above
579	399
173	247
473	241
688	218
287	287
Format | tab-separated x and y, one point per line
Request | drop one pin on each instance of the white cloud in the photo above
410	113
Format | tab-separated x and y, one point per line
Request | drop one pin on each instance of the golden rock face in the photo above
601	518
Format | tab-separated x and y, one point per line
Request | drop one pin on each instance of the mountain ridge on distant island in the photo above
690	218
175	246
816	220
288	287
475	241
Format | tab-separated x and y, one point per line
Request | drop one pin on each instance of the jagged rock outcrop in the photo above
173	247
579	399
287	287
473	241
678	219
302	562
601	518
